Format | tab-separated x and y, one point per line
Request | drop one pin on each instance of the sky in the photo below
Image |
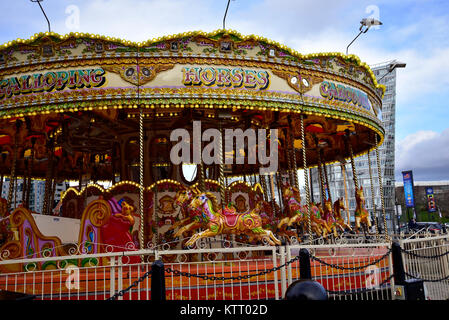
414	32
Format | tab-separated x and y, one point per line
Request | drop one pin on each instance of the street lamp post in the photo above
393	65
365	24
42	9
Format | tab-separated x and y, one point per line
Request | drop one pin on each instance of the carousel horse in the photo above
271	222
298	213
361	214
215	222
293	208
328	216
190	221
319	225
338	206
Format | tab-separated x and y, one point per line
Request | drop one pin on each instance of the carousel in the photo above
100	113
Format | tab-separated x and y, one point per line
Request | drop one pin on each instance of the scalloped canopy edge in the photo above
236	36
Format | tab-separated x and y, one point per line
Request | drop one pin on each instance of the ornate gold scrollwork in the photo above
299	82
138	74
98	212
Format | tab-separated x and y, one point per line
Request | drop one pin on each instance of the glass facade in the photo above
36	194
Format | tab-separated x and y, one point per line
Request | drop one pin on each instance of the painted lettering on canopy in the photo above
339	92
225	77
52	80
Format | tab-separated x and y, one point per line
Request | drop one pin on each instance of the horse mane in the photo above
214	201
337	203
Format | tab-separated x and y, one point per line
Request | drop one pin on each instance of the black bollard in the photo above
157	281
304	265
398	264
306	290
412	289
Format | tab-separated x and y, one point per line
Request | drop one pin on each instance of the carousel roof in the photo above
85	92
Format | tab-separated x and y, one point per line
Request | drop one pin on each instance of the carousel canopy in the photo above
75	99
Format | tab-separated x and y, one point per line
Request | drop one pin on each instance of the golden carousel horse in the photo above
216	222
190	220
361	214
328	216
298	216
271	222
338	206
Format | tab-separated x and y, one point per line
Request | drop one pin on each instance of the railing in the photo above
353	271
427	259
348	272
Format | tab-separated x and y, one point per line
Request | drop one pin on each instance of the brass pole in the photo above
30	169
273	200
320	173
306	177
13	168
327	182
292	143
221	170
343	171
372	196
382	201
141	182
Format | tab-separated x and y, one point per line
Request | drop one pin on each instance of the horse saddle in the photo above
231	219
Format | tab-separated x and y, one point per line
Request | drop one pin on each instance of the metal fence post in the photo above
157	281
112	277
305	271
412	289
282	271
398	264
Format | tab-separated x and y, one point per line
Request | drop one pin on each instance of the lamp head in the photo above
368	22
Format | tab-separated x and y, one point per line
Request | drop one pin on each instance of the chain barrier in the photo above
204	277
312	257
261	273
213	278
427	280
121	293
364	290
424	257
335	266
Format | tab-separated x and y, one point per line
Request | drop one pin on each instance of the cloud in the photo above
426	153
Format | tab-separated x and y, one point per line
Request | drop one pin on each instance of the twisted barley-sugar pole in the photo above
372	195
24	182
141	181
49	176
279	187
379	174
288	155
12	177
343	171
354	173
293	152
320	174
326	179
30	170
273	200
221	170
263	183
306	178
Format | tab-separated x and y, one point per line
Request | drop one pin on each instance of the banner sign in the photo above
52	80
225	77
431	207
407	177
